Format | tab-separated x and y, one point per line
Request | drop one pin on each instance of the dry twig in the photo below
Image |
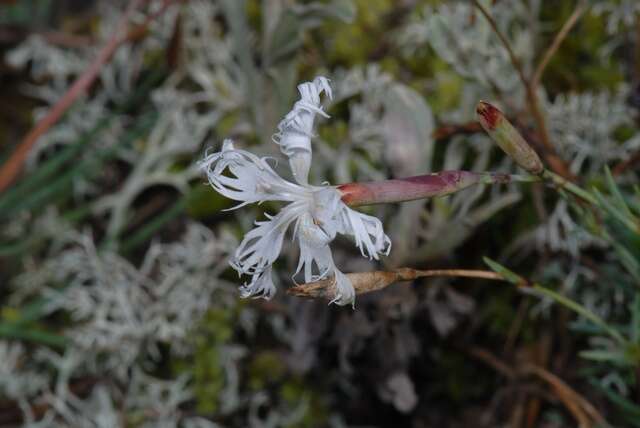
445	132
557	41
11	168
556	163
580	408
366	282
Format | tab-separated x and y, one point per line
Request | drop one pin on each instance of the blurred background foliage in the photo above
118	307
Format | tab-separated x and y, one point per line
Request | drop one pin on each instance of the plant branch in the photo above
445	132
512	55
12	167
580	408
557	41
555	162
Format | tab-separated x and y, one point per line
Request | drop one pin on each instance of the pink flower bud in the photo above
412	188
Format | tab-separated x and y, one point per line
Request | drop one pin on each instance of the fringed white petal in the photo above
318	212
296	129
345	293
251	178
325	210
261	286
317	261
315	254
367	232
261	246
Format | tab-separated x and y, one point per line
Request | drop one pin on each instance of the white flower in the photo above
317	212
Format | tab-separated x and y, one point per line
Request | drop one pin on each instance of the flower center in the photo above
313	232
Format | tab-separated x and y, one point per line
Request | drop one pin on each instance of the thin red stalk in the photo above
10	170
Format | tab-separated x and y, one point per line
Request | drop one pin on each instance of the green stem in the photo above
493	178
569	186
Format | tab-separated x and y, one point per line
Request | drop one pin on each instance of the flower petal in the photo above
367	232
261	286
325	210
345	293
296	129
315	254
251	180
317	261
261	246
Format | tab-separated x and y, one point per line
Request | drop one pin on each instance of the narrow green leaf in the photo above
631	263
616	212
606	356
581	310
509	275
41	177
630	410
151	227
18	332
635	320
615	192
61	185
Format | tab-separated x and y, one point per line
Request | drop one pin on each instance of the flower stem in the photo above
569	186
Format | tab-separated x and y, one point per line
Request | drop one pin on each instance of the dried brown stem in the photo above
512	55
563	392
557	41
12	167
491	360
445	132
11	36
580	408
629	162
554	161
366	282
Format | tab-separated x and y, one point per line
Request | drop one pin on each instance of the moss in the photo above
203	201
253	12
266	368
447	90
578	64
500	313
268	371
214	331
623	133
10	314
334	133
295	391
453	372
354	43
226	124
